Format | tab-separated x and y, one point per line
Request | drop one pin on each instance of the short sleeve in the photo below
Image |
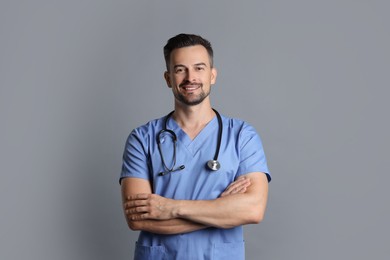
135	157
252	156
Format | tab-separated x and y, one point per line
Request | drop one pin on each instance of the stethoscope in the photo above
212	165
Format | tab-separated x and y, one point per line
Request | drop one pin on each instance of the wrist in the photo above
177	211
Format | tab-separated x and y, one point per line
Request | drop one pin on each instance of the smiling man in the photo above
190	78
190	180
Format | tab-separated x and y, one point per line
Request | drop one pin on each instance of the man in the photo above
186	206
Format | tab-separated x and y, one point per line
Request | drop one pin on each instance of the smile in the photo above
191	87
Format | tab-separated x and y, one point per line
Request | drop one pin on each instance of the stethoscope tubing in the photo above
211	164
220	126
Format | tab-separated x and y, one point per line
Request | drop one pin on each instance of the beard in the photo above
192	99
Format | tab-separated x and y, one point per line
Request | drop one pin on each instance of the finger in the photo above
235	191
136	217
223	194
238	184
227	191
233	185
241	178
139	196
136	210
236	188
241	181
135	203
143	216
240	191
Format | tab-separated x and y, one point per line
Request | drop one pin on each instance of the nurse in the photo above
184	209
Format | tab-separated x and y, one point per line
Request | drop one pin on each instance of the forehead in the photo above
189	56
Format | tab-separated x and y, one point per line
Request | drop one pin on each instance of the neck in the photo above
193	119
193	115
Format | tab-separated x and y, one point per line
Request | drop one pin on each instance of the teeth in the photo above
191	88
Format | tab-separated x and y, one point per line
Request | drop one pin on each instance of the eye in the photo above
199	68
179	70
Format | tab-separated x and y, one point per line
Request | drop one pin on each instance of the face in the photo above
190	75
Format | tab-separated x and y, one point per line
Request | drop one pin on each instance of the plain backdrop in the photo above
312	76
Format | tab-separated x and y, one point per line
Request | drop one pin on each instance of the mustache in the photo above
188	83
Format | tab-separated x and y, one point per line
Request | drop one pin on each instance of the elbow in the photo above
134	225
257	213
255	217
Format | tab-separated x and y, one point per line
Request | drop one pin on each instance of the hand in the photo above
237	187
148	206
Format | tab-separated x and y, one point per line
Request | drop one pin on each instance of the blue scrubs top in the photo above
241	152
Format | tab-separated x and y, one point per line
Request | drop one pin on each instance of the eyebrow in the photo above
195	65
200	64
178	65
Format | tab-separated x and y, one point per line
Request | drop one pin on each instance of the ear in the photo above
214	73
167	79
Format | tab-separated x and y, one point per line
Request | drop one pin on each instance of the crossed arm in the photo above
243	202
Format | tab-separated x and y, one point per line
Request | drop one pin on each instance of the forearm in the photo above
233	209
190	215
131	186
166	227
224	212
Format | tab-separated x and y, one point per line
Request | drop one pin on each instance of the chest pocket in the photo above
150	252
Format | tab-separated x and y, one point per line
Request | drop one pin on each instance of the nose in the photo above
190	76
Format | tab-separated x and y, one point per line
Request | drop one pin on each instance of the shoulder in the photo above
147	131
150	125
236	124
240	130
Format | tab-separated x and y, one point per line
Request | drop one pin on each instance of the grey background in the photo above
311	76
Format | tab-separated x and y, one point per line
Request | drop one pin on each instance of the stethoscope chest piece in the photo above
213	165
